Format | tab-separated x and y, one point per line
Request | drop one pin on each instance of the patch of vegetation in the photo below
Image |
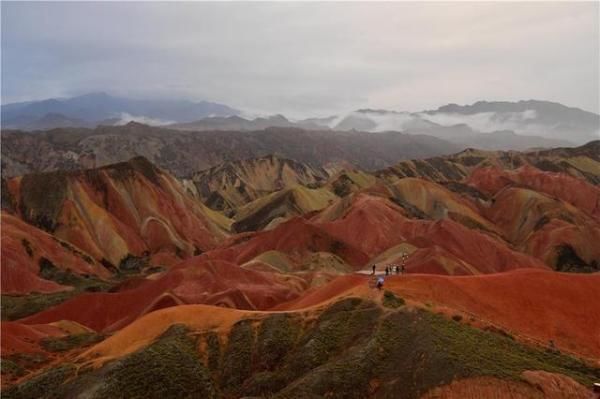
336	355
471	160
63	344
27	245
126	170
497	330
108	265
392	301
342	325
276	337
132	264
464	189
569	261
42	197
7	201
96	181
424	168
11	368
486	353
81	283
457	318
541	222
402	169
237	359
74	250
155	269
28	360
411	352
17	307
548	166
342	186
413	211
213	349
448	169
43	386
168	368
337	246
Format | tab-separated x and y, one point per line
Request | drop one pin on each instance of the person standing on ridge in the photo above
373	270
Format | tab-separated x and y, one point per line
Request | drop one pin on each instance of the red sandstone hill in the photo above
374	225
26	249
579	193
483	232
532	304
131	208
194	281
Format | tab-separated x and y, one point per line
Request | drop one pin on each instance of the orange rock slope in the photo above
24	248
194	281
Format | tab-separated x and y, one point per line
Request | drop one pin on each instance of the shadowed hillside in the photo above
183	153
353	348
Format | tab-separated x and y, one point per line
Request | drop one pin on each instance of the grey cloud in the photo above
305	59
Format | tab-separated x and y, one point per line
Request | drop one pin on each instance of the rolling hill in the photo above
251	277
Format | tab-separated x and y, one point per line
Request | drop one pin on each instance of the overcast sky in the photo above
311	59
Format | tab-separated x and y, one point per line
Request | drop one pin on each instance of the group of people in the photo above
396	268
388	270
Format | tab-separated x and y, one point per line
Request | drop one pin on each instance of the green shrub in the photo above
237	360
392	301
42	386
168	368
62	344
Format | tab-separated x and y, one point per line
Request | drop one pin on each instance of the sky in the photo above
305	59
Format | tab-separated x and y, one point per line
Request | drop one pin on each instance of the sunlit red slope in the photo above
298	238
545	226
577	192
374	224
193	281
532	304
361	227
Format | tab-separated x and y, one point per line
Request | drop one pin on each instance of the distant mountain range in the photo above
489	125
100	108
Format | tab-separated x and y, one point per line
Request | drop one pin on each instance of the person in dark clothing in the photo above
397	269
373	270
387	271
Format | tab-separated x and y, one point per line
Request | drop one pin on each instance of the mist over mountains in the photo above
100	108
489	125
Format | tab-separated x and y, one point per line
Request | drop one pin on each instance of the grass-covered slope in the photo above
352	349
